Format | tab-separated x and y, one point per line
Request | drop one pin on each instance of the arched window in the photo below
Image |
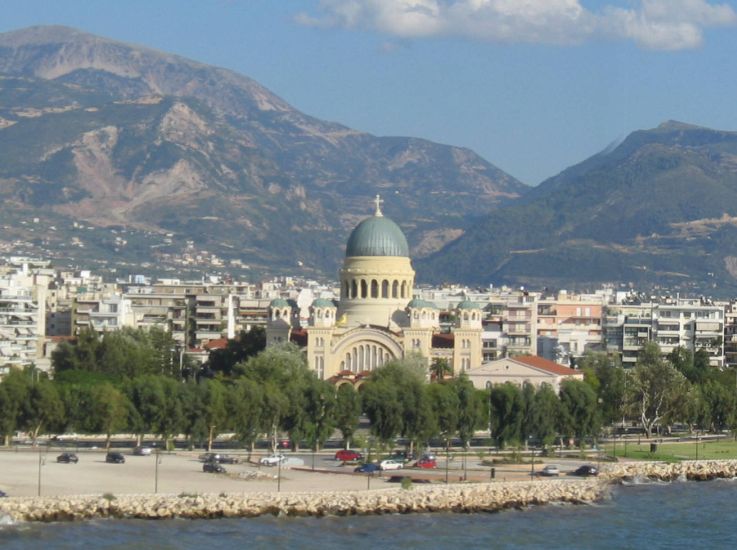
385	289
361	359
364	289
345	289
404	289
424	315
374	289
395	289
354	289
465	316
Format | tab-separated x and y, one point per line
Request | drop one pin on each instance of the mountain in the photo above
658	209
137	159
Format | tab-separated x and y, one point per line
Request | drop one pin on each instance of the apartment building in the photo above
693	324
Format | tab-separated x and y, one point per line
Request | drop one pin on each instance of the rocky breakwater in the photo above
693	470
484	497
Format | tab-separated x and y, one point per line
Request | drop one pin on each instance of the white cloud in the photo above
656	24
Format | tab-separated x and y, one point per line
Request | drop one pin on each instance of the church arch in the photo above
364	289
354	289
395	289
384	288
374	288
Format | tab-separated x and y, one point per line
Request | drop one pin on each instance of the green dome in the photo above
420	304
377	236
468	304
322	302
279	302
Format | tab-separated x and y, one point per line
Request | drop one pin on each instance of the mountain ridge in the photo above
111	134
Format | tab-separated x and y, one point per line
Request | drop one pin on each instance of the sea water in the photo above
677	515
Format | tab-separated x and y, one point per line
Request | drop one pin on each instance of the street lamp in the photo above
41	462
157	461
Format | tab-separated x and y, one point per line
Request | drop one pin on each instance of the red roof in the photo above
299	337
218	343
546	365
443	340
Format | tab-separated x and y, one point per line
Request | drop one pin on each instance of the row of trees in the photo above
680	388
130	381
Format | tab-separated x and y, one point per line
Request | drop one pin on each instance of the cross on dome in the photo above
378	202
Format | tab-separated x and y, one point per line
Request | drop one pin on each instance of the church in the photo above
376	319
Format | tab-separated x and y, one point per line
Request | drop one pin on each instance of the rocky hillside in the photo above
659	209
140	159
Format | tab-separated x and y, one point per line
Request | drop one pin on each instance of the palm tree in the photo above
439	368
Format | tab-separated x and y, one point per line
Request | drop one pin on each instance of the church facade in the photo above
376	318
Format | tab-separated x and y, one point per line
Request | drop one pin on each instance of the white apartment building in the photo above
693	324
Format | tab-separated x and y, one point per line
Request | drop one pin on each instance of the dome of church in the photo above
279	302
322	302
377	236
468	304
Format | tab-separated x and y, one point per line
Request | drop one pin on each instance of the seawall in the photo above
484	497
462	497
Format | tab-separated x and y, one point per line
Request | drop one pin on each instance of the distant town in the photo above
41	306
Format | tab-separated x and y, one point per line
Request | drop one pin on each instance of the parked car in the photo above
550	470
67	458
368	468
142	451
402	456
426	463
272	460
3	494
347	455
391	464
586	470
213	468
225	459
208	457
115	458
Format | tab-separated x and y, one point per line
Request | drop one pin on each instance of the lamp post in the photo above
278	475
41	462
157	461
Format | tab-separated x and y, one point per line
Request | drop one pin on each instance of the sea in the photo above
650	515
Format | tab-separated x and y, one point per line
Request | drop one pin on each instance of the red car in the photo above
428	463
346	455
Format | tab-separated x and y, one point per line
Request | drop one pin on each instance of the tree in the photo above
470	408
347	412
244	409
13	395
241	348
605	375
43	408
654	388
107	409
445	407
721	405
580	416
439	369
395	401
544	414
320	403
507	411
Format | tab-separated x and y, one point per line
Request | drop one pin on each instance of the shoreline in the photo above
460	497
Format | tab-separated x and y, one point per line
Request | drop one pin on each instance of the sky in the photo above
533	86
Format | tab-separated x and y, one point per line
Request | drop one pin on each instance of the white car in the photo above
550	470
272	460
391	464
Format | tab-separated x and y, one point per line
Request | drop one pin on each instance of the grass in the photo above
675	451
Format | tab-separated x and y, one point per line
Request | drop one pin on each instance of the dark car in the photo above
216	457
402	456
213	468
347	455
67	458
115	458
3	494
368	468
586	470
